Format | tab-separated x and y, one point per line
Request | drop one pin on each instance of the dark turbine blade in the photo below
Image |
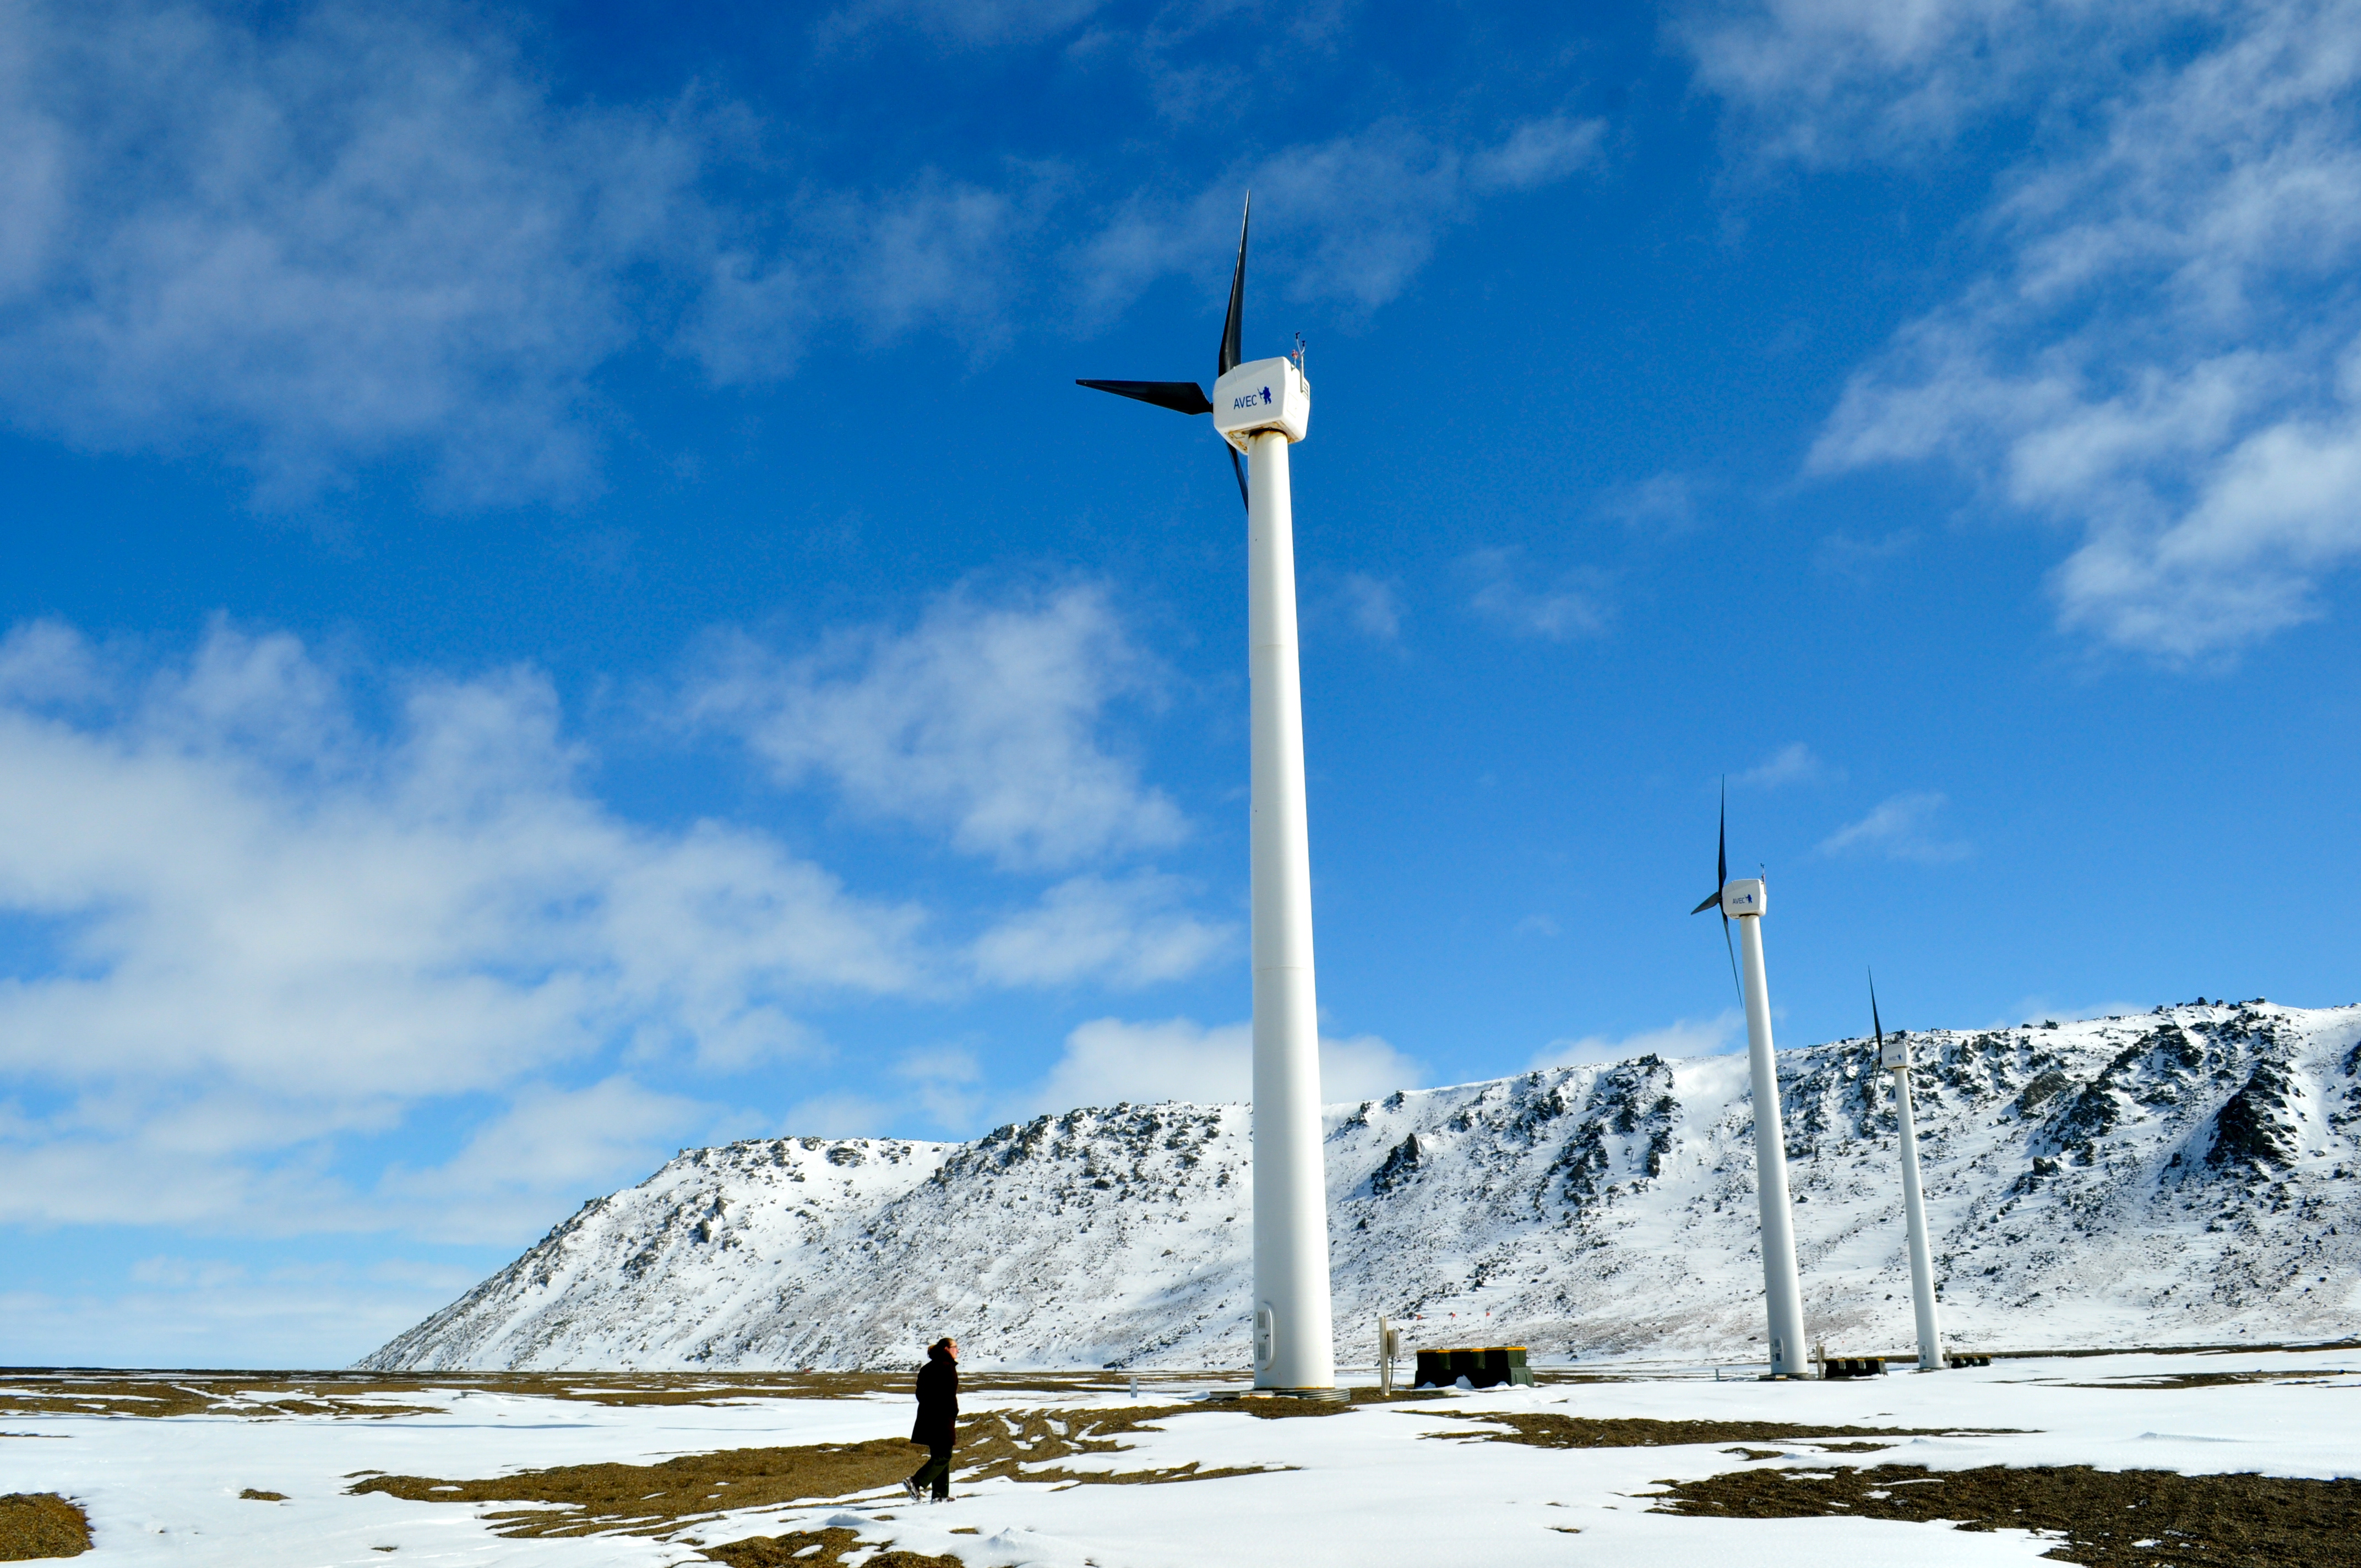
1721	841
1874	1023
1181	397
1234	325
1720	860
1240	470
1721	879
1733	963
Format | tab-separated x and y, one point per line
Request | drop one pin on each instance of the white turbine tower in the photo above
1894	1057
1742	901
1260	407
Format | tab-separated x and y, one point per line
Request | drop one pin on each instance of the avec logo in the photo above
1251	399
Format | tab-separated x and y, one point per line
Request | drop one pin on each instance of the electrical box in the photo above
1262	394
1484	1367
1743	897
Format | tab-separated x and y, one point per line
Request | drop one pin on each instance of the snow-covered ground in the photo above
2189	1175
1374	1484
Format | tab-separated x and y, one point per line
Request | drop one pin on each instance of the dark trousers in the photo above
937	1470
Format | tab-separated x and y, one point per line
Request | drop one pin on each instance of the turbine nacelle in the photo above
1262	394
1891	1054
1741	895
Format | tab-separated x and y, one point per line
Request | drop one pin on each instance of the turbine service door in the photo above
1263	394
1744	896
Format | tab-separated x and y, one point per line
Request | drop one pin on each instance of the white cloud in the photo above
945	1084
837	1114
1109	1061
2278	512
1859	559
980	721
1360	214
183	1312
1127	933
2035	1009
1570	606
354	238
2164	354
1373	605
1900	827
271	930
548	1143
345	239
1538	152
181	1273
360	235
972	23
1364	1067
1682	1038
1663	504
267	931
1793	764
934	254
1834	82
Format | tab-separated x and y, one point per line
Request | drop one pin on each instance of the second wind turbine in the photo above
1260	407
1893	1056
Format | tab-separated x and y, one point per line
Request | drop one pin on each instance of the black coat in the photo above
938	1420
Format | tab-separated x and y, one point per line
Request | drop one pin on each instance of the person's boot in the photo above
912	1488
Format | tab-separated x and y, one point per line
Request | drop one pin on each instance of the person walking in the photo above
937	1422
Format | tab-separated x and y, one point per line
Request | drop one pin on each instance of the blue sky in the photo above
563	603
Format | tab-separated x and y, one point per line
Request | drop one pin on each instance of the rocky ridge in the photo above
2184	1176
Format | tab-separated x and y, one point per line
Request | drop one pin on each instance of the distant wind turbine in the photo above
1259	408
1894	1057
1742	901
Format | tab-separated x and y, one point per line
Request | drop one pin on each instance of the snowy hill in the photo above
2184	1176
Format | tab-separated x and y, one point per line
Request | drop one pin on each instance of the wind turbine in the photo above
1259	408
1742	899
1894	1057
